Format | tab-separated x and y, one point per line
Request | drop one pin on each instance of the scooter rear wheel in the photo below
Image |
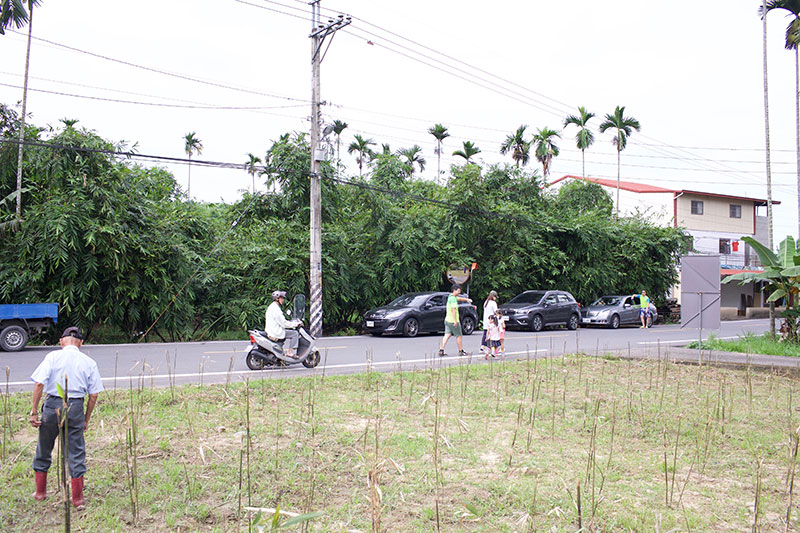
312	360
253	362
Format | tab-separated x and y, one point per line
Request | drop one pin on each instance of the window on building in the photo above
697	207
736	211
725	246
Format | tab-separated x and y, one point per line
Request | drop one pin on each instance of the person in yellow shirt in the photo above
452	325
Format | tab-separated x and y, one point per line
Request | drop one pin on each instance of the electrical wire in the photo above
547	108
263	169
167	73
154	104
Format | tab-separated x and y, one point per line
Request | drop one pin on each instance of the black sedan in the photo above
537	309
415	313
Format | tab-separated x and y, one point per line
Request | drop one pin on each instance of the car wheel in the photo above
410	327
537	324
573	322
468	325
614	322
13	338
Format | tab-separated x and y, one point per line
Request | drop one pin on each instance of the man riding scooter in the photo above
275	324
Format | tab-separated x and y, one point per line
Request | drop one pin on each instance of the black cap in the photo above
72	332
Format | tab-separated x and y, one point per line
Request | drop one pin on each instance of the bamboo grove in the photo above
115	243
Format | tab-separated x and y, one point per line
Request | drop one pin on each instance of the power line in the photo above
302	17
493	87
154	104
263	169
166	73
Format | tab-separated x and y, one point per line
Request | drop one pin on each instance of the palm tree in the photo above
193	145
440	133
362	147
546	149
584	138
792	42
251	166
624	127
386	149
468	151
767	147
12	13
413	156
338	128
518	146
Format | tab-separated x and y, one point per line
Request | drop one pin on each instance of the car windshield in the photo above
528	297
607	300
408	300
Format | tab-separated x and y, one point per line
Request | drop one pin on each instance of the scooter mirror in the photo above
299	306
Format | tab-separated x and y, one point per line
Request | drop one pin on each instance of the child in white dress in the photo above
493	336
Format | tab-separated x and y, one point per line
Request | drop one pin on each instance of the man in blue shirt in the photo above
82	380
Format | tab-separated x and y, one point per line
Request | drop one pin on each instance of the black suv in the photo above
419	312
537	309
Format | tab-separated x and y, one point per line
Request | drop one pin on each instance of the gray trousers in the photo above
48	433
292	336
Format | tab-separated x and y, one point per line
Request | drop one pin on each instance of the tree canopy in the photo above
112	242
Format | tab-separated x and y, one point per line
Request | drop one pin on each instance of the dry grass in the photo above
686	446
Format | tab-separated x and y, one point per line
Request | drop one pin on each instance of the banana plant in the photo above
782	276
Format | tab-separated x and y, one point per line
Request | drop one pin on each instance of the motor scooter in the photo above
264	352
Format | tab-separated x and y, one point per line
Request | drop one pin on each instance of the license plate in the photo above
370	323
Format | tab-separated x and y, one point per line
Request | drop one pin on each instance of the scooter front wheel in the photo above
312	360
254	362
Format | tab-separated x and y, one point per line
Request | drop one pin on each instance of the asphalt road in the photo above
123	365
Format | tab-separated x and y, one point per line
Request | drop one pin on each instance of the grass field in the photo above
544	445
753	344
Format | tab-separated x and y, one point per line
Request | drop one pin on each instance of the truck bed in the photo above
29	311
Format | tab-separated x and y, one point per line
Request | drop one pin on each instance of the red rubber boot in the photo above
41	485
77	493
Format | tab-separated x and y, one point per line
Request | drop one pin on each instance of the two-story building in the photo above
714	224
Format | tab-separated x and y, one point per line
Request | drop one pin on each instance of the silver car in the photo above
614	311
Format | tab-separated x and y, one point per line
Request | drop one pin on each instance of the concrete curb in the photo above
723	359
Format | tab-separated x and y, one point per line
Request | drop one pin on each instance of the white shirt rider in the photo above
276	324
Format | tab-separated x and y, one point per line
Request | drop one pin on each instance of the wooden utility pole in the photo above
318	34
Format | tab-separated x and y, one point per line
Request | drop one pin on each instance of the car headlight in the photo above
603	314
394	314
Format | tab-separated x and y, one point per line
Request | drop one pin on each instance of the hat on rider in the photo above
278	294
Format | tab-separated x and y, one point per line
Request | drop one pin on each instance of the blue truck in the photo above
19	321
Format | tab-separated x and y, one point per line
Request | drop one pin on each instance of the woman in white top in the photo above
489	309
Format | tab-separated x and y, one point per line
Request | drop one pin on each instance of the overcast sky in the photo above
690	72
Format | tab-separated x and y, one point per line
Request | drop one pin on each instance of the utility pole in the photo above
318	34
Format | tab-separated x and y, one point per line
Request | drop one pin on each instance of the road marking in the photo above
290	369
539	337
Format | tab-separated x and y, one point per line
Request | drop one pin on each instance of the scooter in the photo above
264	352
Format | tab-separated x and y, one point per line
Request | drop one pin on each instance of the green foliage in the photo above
113	244
579	197
782	276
